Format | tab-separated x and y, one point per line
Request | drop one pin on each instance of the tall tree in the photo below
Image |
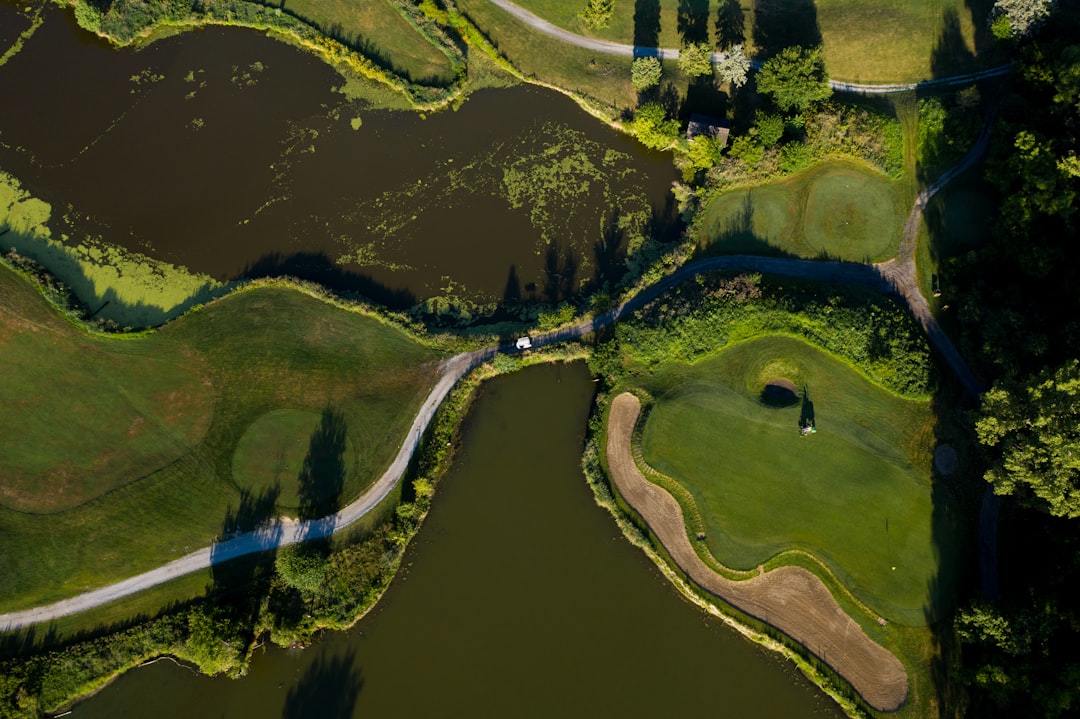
1018	18
735	66
795	79
695	59
1036	428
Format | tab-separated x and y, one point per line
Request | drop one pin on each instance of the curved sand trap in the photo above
789	598
780	392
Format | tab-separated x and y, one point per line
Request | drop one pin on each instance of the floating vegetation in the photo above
126	287
557	177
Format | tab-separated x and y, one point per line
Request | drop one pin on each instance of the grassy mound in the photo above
835	209
123	449
856	494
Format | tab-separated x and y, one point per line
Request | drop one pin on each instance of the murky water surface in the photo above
231	154
520	598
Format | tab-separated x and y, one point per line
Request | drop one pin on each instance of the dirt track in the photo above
789	598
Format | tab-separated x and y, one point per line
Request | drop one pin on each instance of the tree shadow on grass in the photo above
646	27
807	417
782	23
693	21
730	24
322	476
956	498
951	55
329	689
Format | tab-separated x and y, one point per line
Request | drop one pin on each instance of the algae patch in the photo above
128	288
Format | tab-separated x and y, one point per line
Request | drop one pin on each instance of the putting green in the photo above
852	215
271	454
837	209
856	494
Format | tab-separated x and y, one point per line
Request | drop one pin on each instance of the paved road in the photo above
895	277
608	47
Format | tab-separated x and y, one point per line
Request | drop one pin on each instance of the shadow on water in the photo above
646	27
782	23
318	267
560	274
512	292
730	24
329	689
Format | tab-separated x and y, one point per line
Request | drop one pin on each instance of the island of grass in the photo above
855	493
123	453
793	427
840	210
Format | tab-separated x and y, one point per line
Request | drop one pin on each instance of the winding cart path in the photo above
791	599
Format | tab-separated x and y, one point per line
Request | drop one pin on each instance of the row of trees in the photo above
1019	315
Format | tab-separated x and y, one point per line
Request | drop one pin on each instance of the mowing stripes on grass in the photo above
836	209
125	448
856	493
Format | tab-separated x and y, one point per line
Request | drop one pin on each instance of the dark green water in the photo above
520	598
231	154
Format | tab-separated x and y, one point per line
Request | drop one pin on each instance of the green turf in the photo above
880	41
605	78
380	31
856	494
271	453
122	450
836	209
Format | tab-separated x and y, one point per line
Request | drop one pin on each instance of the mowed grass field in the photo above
856	494
121	454
880	41
378	27
836	209
603	77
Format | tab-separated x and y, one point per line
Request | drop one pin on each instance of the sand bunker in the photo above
791	599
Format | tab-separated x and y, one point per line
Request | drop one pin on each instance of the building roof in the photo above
709	126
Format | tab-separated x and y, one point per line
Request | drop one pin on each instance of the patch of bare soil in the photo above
789	598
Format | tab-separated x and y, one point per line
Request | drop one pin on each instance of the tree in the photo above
1036	428
695	59
598	13
1019	18
795	79
735	66
645	73
301	567
653	128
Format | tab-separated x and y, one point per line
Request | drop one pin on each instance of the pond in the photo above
232	154
520	597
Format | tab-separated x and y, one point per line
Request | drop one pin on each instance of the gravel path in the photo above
608	47
896	276
789	598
